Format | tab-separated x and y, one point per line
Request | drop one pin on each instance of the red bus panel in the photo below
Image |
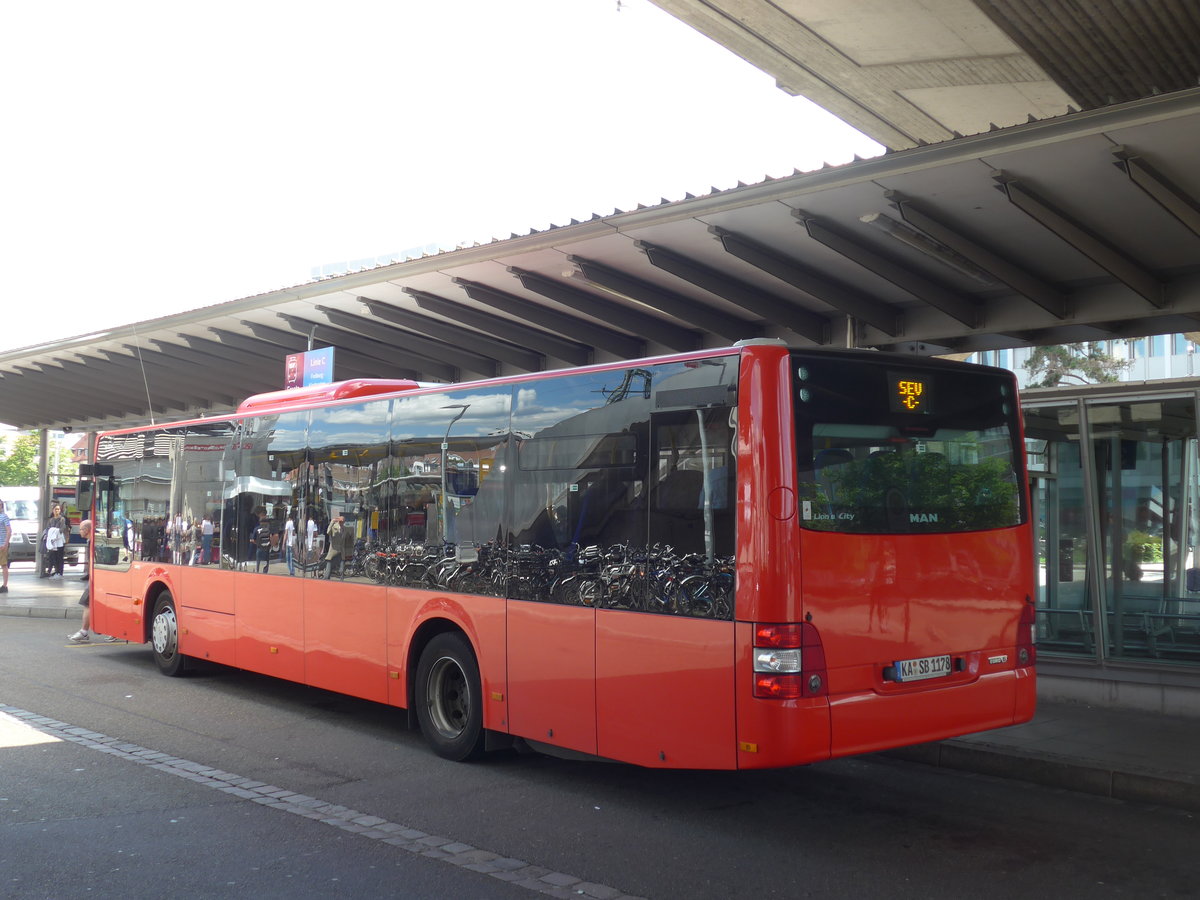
882	599
664	690
345	638
270	626
552	674
208	624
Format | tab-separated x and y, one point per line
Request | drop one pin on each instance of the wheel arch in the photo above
154	590
426	632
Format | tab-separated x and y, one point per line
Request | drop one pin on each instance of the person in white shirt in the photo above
206	541
54	538
289	544
310	531
176	529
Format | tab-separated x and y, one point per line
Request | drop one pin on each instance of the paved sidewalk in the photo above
1127	755
43	598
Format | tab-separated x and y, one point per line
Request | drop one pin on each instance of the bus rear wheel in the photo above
447	698
164	636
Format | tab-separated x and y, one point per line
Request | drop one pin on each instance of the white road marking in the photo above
411	840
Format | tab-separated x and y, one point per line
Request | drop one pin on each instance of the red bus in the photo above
735	558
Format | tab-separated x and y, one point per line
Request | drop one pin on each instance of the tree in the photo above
61	462
1084	363
19	460
19	463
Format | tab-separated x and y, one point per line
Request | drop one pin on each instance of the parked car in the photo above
21	504
22	547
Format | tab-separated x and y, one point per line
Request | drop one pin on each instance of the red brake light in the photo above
778	636
801	648
779	687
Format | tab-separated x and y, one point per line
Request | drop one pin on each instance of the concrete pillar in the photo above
43	492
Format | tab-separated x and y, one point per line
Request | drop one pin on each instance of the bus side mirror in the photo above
85	494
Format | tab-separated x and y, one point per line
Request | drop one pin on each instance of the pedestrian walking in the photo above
83	635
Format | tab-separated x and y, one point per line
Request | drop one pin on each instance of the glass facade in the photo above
1152	358
1117	512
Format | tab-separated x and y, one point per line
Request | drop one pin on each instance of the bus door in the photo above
258	488
553	587
110	579
665	636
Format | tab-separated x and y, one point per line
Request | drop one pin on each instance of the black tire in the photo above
447	697
164	636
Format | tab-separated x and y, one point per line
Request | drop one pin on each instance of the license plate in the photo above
925	667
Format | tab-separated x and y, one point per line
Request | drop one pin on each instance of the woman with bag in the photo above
54	538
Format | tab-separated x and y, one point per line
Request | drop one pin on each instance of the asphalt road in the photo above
226	784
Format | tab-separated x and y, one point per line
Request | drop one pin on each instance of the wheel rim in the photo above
165	632
448	697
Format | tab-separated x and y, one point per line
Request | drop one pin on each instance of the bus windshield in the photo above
888	449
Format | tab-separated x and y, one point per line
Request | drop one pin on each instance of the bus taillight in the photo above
789	661
1026	648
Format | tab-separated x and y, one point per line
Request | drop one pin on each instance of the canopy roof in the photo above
912	72
1077	228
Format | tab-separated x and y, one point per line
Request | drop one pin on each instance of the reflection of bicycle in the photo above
659	581
569	570
709	592
529	572
664	570
308	560
605	579
476	571
360	561
621	578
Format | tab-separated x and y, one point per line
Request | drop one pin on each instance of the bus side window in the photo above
692	467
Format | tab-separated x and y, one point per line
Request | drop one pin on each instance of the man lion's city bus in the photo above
728	559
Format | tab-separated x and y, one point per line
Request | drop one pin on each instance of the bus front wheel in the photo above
164	636
447	698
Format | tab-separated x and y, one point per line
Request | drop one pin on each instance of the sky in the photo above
161	157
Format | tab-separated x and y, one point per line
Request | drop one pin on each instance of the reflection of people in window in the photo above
289	543
310	534
252	517
336	546
149	544
261	540
206	540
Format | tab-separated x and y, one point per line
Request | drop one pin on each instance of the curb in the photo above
1158	789
42	612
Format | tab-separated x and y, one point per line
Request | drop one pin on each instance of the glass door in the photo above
1143	452
1065	612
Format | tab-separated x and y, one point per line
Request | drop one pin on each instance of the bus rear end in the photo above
893	601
